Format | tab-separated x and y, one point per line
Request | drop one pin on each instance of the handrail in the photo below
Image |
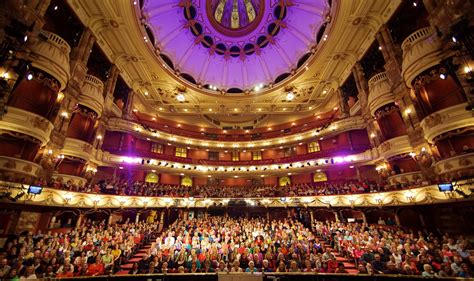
94	81
376	78
57	41
416	36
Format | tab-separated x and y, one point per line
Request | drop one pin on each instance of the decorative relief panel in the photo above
54	197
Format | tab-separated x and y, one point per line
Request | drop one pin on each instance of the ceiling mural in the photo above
237	46
234	62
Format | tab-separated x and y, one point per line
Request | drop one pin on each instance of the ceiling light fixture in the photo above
258	87
180	97
442	76
145	93
290	96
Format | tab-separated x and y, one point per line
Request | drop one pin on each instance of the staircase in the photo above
137	256
349	265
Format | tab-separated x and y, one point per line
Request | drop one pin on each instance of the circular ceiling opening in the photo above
235	17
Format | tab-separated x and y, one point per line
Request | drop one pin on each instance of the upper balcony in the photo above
92	94
50	53
395	146
334	128
380	92
28	123
422	50
172	164
445	120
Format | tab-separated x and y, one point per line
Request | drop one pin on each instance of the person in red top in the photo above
332	265
96	268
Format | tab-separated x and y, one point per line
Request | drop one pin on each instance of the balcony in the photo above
337	127
445	120
25	122
62	198
180	165
78	181
456	166
78	148
395	146
422	50
406	178
380	92
92	94
19	167
51	54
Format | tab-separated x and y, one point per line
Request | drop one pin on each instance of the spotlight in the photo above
442	76
454	39
29	76
414	4
25	38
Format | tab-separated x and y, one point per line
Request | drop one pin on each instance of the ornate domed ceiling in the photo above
234	63
235	45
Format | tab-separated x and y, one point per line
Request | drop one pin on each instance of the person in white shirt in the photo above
29	273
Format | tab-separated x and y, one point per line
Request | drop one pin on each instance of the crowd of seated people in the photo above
225	244
95	249
139	188
391	250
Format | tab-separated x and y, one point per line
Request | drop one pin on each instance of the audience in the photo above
225	244
85	251
137	188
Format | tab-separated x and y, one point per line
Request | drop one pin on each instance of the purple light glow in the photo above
294	39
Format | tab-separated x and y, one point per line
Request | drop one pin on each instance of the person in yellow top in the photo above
116	253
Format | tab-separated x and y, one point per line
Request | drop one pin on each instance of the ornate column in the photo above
79	220
362	86
127	109
343	105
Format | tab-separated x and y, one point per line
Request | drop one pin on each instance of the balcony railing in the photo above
380	92
92	94
341	151
64	198
51	54
422	50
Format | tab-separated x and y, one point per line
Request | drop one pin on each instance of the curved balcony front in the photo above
174	164
445	120
406	178
456	166
92	94
15	167
380	92
396	146
337	127
25	122
61	198
422	50
50	53
77	148
64	178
